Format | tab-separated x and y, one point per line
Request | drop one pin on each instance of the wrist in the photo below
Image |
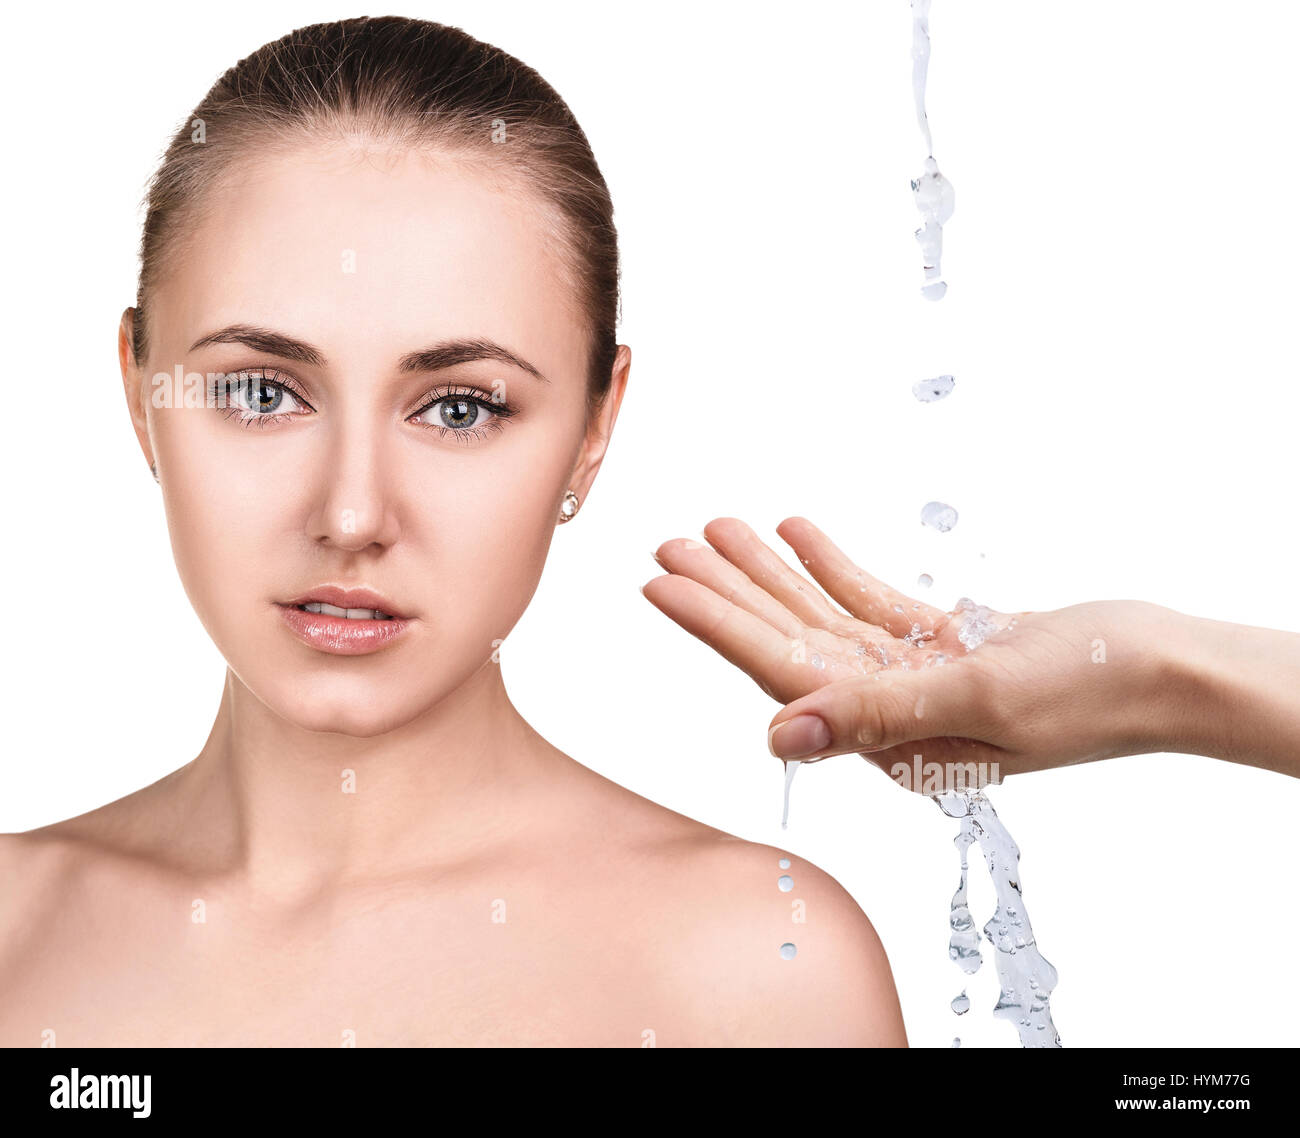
1188	683
1227	691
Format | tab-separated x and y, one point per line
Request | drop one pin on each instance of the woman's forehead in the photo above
387	245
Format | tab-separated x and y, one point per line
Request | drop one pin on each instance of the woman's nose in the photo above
356	504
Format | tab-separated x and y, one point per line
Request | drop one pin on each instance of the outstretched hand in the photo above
890	677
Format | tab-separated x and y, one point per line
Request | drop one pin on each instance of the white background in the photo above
1120	320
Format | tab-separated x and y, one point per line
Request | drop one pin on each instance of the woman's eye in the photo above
259	398
455	412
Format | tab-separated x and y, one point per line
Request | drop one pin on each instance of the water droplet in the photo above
961	1004
787	951
932	390
784	863
938	515
785	883
925	580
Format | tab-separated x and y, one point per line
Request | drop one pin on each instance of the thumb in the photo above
884	709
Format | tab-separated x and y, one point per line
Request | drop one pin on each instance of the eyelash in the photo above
225	389
228	386
500	413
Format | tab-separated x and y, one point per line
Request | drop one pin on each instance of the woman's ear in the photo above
601	426
133	381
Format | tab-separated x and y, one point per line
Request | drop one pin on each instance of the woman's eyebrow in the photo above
263	340
446	354
452	352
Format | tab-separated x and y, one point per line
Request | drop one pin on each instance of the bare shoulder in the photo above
747	944
34	869
774	951
63	865
31	862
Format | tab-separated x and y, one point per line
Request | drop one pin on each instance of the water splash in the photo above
964	943
1026	978
979	623
921	65
932	192
918	635
1024	975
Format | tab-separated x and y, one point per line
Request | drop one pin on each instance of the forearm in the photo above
1231	691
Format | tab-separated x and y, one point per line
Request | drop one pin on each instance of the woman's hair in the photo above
396	81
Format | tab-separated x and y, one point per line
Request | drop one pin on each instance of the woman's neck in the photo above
288	812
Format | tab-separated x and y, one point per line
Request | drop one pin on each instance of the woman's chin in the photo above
362	710
363	722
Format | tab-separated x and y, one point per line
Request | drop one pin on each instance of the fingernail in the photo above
795	738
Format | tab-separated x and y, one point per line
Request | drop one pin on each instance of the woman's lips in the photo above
341	635
351	597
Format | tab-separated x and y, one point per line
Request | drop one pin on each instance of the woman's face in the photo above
345	309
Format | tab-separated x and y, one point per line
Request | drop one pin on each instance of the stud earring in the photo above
568	507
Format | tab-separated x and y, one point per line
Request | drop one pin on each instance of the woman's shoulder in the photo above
778	952
35	867
33	859
760	946
56	865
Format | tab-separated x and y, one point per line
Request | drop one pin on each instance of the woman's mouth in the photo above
349	614
343	622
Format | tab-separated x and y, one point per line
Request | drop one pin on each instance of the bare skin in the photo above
583	915
379	849
1092	681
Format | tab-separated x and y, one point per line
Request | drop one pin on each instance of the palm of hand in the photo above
740	597
1024	690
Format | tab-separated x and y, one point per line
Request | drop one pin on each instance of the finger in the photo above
766	568
884	710
701	563
860	593
782	667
